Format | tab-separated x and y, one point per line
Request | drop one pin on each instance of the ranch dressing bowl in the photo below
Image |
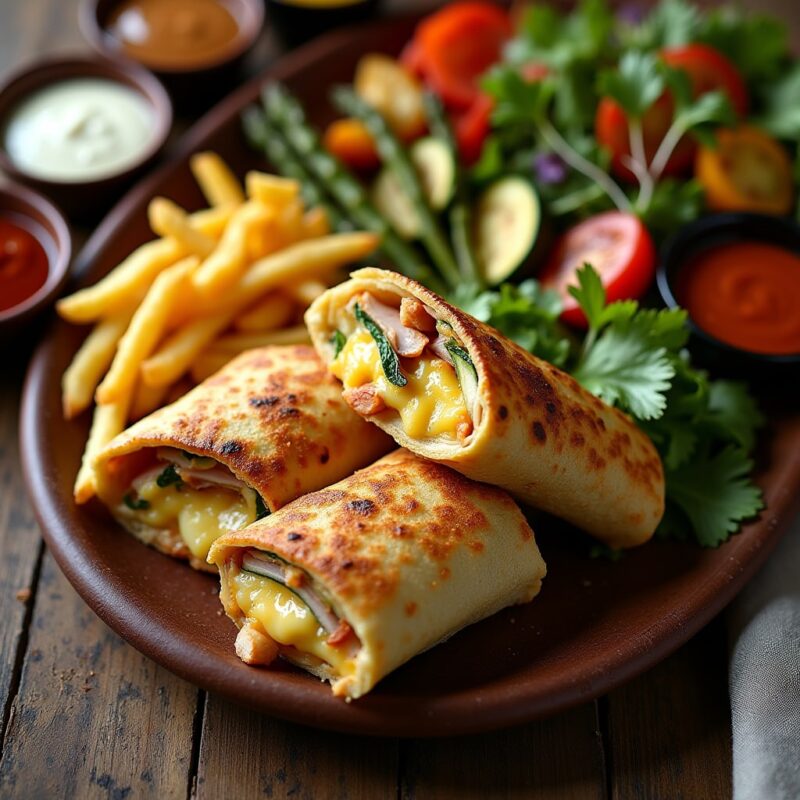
80	130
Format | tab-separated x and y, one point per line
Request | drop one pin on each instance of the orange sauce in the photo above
23	264
746	294
170	34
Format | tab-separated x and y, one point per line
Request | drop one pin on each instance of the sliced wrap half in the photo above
267	428
453	389
354	580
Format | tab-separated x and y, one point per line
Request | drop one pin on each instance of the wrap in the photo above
352	581
267	428
479	403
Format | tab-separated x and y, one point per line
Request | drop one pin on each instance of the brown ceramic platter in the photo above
595	625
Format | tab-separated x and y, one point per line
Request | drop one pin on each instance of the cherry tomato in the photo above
708	70
351	142
620	249
458	44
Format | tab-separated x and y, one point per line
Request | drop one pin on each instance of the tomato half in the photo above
748	170
457	45
620	249
708	71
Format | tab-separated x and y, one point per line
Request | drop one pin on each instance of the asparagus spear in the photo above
288	117
394	155
459	215
263	136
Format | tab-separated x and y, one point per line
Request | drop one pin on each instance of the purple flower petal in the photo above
631	13
549	168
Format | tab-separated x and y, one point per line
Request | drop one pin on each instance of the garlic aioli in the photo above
79	129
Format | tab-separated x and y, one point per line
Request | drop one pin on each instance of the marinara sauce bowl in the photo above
44	221
703	235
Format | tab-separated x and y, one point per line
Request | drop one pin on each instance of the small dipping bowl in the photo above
83	199
684	251
194	76
37	216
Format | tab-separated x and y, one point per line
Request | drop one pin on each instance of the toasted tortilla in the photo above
406	551
273	417
537	432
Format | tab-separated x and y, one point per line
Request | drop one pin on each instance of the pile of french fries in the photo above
232	277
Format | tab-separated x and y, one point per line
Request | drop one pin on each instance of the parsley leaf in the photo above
527	314
758	45
715	493
624	369
338	340
781	114
635	84
670	23
734	413
674	203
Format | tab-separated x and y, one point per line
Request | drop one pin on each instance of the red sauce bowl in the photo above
40	217
707	233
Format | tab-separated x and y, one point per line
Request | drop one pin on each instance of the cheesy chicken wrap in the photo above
354	580
267	428
455	390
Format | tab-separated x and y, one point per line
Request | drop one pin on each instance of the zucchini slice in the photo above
465	372
433	160
395	205
507	219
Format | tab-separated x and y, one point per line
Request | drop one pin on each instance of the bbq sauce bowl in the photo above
81	130
196	47
738	276
35	251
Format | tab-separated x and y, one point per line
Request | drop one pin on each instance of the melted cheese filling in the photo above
200	516
285	617
430	404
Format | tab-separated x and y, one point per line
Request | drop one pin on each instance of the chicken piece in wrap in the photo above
455	390
267	428
354	580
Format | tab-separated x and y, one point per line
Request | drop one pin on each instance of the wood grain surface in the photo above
86	716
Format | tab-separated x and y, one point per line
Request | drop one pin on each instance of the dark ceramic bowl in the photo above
704	234
41	218
191	86
85	200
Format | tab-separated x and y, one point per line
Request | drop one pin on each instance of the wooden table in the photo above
84	715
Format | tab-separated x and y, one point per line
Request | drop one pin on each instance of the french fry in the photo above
218	184
274	311
107	422
169	219
88	365
290	223
145	330
310	259
271	190
229	258
306	292
125	286
147	399
175	357
239	342
207	363
315	223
